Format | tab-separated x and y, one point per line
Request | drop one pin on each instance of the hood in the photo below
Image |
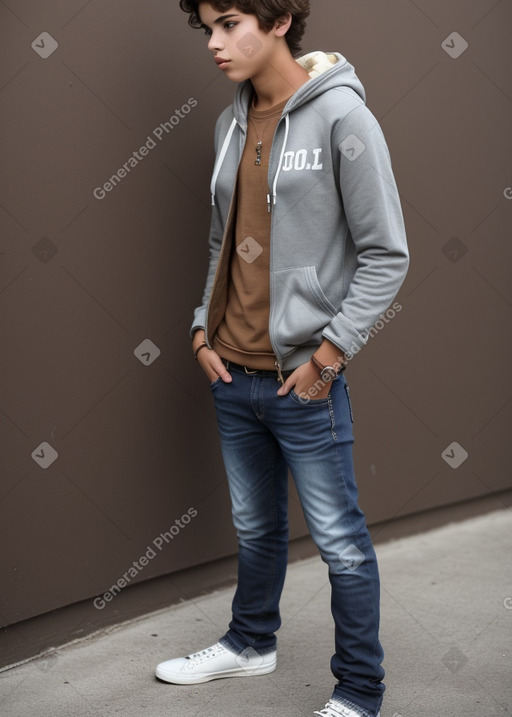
326	70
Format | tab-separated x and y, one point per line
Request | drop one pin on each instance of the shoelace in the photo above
335	709
198	657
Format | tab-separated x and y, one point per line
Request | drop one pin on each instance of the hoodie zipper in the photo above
219	264
216	172
271	201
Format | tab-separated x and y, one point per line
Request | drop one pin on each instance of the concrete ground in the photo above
446	629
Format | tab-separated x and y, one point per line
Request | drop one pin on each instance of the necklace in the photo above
273	112
259	145
258	153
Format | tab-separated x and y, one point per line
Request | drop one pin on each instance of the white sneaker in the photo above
213	663
336	709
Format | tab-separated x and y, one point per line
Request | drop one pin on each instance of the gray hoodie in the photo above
338	250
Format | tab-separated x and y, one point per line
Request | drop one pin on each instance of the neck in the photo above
280	79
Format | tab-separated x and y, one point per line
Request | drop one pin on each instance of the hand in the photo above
306	383
209	360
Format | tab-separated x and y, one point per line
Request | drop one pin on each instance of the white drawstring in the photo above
274	187
220	159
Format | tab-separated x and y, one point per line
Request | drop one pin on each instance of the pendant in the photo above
258	153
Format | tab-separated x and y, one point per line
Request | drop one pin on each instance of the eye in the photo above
230	25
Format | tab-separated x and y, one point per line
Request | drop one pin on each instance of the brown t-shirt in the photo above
243	335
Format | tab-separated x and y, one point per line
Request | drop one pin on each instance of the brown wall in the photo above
84	281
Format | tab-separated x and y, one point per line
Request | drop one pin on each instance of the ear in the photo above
282	25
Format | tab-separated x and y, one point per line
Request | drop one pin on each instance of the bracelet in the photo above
201	346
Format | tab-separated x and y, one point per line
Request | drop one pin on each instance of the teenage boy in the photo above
307	249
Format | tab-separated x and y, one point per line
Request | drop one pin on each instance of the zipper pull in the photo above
269	204
278	369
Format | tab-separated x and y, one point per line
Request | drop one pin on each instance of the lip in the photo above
221	63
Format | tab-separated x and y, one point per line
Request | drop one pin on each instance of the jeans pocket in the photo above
307	401
215	383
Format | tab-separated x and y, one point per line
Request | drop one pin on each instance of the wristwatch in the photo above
327	373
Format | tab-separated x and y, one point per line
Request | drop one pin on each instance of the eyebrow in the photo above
221	19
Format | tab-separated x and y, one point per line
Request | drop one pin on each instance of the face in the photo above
240	48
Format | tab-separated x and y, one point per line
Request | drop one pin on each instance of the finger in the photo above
218	366
208	364
286	387
226	376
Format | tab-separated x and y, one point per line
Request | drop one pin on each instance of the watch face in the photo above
328	374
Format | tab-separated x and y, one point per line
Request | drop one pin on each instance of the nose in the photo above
214	43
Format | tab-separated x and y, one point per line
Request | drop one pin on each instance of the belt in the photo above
268	373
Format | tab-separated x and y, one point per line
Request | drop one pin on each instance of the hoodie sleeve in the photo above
215	243
374	216
199	321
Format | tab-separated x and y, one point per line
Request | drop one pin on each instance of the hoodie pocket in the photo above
300	308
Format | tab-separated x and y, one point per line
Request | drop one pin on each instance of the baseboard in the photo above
31	638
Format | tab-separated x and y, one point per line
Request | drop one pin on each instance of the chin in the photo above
238	74
236	78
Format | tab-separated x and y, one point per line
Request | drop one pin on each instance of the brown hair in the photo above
266	11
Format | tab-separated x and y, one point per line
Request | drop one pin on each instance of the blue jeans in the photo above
262	435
